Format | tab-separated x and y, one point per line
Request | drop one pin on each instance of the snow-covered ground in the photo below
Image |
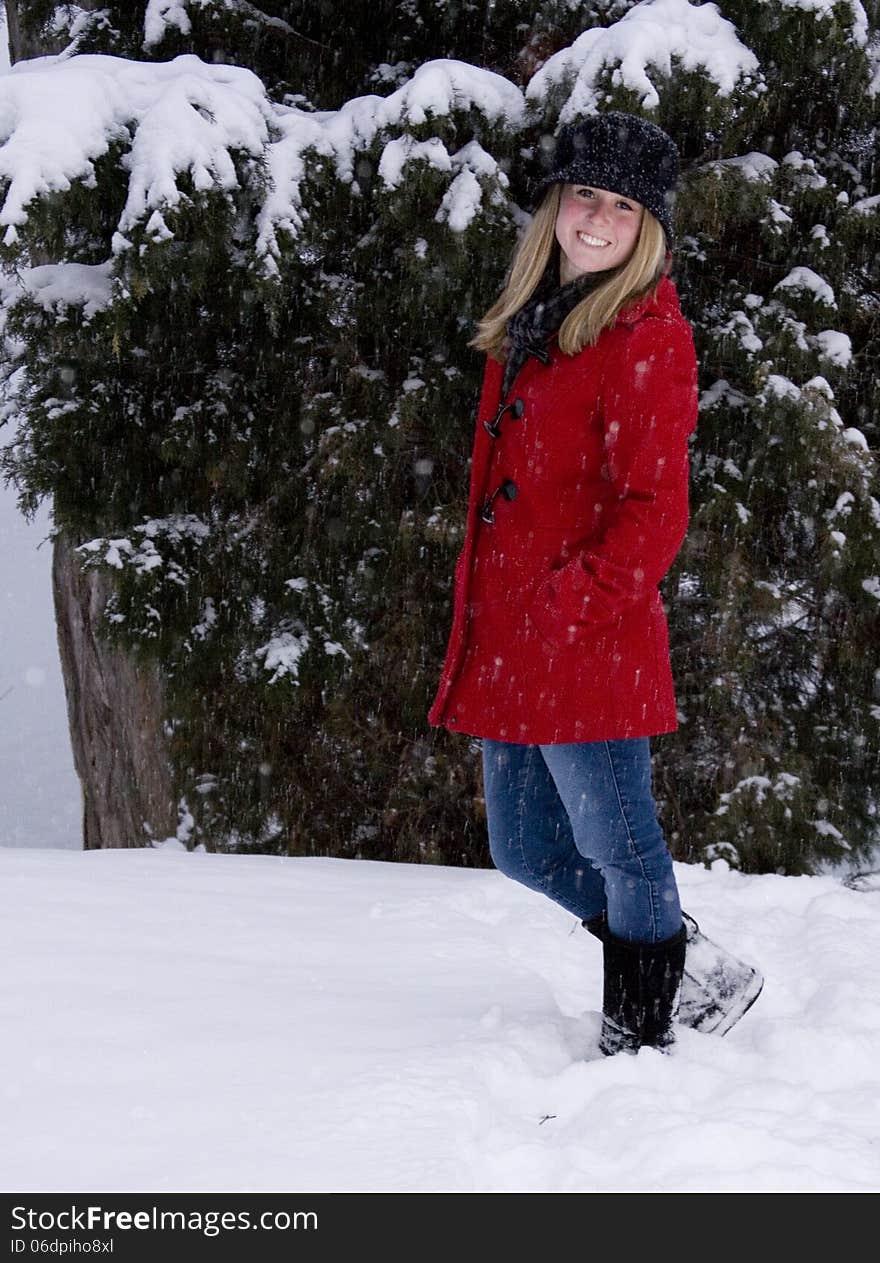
208	1022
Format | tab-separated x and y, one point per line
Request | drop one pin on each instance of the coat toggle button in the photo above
508	489
516	409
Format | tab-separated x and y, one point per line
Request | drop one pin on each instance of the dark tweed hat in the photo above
622	153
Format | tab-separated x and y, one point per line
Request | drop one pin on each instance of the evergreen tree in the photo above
780	654
243	379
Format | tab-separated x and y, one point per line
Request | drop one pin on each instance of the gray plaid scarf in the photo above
530	328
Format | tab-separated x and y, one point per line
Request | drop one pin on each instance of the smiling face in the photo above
596	229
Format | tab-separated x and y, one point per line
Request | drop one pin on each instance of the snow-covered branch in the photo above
648	37
186	119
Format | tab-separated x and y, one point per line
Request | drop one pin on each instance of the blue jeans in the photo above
578	823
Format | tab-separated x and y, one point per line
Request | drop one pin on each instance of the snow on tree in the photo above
236	316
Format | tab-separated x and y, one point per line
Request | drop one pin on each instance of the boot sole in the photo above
717	988
715	1017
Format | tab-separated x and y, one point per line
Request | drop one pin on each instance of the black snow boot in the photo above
640	996
717	987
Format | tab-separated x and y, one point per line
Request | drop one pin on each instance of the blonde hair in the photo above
598	310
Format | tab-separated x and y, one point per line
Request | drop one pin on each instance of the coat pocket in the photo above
560	592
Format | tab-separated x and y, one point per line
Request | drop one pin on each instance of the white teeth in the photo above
592	241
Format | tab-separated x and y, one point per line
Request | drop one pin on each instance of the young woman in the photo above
558	656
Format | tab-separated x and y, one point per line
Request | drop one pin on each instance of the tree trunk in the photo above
22	44
25	42
115	706
116	711
13	32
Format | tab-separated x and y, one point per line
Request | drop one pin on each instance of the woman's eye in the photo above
589	193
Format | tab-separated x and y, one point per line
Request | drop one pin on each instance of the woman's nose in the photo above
599	214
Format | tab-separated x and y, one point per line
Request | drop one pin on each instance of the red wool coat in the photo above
558	631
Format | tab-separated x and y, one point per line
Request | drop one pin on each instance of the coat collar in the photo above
661	302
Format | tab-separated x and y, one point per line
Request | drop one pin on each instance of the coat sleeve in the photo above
650	410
